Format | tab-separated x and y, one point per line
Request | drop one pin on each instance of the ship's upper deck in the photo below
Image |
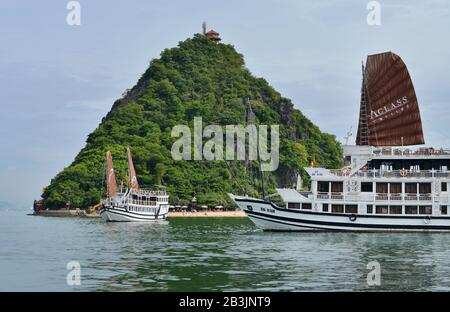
389	162
396	152
396	158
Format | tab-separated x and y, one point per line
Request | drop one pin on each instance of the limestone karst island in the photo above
202	76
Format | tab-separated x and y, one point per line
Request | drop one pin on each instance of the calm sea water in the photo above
214	254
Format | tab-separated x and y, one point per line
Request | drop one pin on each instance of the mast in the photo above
262	179
299	183
111	183
133	179
363	130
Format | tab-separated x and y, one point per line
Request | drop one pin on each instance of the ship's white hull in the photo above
270	217
118	214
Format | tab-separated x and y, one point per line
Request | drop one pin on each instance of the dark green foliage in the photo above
198	78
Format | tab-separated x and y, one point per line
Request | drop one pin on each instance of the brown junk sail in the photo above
389	113
111	182
133	179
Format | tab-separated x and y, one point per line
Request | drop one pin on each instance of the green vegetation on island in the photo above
197	78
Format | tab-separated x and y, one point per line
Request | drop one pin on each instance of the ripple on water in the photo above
208	254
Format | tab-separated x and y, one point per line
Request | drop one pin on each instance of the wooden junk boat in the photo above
132	203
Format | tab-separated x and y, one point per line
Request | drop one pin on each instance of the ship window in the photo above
152	198
395	188
443	210
444	186
325	207
424	188
294	205
369	209
337	187
367	187
411	188
347	160
337	208
395	210
351	209
425	210
306	206
381	209
410	209
382	188
323	187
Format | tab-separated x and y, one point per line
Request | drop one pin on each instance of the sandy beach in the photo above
221	214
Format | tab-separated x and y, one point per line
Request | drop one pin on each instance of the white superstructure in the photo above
390	189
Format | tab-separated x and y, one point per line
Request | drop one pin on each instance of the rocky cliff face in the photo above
199	78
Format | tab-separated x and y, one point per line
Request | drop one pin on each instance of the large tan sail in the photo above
389	114
133	179
111	182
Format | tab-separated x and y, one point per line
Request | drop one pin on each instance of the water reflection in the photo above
207	254
230	254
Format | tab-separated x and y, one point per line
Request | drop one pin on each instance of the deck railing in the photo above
340	172
406	152
401	174
394	197
145	192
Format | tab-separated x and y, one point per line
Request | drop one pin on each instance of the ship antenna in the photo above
349	134
204	28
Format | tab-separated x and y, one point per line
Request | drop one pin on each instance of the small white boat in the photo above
133	203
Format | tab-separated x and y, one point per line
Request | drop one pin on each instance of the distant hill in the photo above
197	78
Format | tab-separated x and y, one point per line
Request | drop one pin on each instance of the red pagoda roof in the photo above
213	35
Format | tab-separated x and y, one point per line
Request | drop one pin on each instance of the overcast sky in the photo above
57	81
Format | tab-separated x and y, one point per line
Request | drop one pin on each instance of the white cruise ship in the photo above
385	185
